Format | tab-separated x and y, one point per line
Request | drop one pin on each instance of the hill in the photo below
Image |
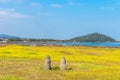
4	36
94	37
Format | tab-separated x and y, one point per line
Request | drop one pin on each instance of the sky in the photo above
59	19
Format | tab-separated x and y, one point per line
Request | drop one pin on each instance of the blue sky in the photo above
59	19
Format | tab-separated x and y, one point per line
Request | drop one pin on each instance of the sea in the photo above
99	44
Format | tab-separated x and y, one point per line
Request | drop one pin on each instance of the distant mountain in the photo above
94	37
4	36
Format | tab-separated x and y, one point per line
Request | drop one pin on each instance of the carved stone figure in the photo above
63	63
47	63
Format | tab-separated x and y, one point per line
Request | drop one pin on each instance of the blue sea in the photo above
102	44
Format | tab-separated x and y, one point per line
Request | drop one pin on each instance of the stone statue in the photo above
63	63
47	65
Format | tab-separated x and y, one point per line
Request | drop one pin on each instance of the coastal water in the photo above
104	44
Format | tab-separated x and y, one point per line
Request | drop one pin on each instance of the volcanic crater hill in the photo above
94	37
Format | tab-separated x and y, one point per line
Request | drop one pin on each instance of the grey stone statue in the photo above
47	65
63	64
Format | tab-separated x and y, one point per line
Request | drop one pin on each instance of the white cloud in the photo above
107	8
11	13
56	5
74	4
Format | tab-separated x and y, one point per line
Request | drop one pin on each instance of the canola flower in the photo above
83	63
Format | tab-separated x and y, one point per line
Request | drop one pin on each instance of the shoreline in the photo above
61	46
82	44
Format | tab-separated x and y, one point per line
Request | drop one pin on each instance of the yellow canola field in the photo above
89	54
83	63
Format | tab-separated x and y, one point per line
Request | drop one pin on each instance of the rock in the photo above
63	64
47	65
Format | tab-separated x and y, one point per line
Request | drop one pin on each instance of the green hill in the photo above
95	37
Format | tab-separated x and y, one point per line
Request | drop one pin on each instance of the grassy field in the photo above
83	63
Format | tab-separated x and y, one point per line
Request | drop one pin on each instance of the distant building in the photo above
4	40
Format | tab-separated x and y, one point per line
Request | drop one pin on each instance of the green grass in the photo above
9	78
